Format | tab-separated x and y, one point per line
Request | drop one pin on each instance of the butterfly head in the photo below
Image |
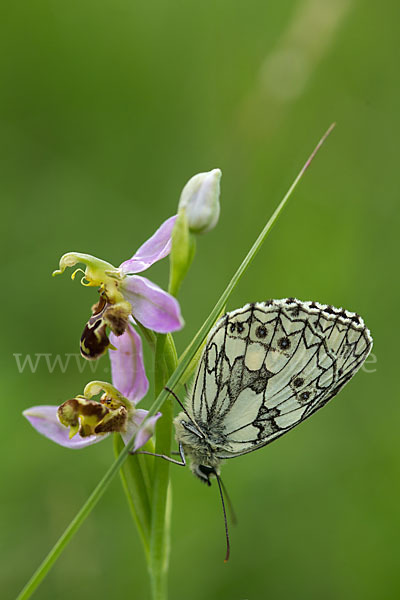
198	448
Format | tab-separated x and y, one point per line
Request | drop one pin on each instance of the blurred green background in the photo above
106	109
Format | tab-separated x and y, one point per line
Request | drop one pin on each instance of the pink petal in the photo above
127	368
154	249
154	308
44	419
145	433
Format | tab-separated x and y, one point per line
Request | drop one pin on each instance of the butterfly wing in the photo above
268	366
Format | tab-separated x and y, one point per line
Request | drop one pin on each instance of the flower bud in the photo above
200	199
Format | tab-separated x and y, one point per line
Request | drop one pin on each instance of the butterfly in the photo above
265	368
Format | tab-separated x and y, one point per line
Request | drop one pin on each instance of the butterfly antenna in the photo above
231	510
180	404
228	546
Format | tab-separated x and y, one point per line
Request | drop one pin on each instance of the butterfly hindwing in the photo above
268	366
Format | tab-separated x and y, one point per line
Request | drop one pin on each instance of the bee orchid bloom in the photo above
123	293
82	421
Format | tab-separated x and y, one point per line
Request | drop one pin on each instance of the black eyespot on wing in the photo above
284	343
239	327
232	327
298	382
305	395
261	331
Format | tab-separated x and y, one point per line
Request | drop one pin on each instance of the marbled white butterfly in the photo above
266	367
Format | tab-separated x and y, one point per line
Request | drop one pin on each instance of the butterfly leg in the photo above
181	463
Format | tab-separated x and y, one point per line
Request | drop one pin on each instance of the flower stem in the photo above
165	364
138	489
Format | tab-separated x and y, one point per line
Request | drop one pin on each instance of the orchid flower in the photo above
82	421
123	293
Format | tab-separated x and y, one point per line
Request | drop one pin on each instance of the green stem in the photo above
99	490
148	335
138	489
165	363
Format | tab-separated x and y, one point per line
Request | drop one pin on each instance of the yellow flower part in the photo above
98	273
89	417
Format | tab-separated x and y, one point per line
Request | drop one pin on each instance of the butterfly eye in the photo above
206	470
203	472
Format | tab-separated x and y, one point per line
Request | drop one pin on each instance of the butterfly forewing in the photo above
268	366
